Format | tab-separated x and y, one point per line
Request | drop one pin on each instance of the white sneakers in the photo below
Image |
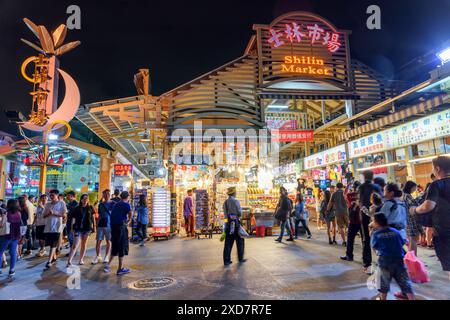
97	260
106	260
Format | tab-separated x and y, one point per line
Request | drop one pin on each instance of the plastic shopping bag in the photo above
416	268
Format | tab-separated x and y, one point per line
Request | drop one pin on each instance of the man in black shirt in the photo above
365	191
72	203
116	197
437	202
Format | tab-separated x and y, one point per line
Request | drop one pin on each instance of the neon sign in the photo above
305	65
292	32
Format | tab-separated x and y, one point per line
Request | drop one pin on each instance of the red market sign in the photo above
293	135
302	33
123	170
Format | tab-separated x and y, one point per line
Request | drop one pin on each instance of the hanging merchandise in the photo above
160	213
202	218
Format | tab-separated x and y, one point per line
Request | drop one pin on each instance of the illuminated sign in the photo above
324	158
305	65
370	144
293	135
123	170
293	33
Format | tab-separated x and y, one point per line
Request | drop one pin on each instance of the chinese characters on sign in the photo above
369	144
293	135
427	128
123	170
321	159
293	32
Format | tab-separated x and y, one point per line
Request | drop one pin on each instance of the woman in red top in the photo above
10	232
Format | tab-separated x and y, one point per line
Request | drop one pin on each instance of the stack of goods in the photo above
201	209
161	208
257	198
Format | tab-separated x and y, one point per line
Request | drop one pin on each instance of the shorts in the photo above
82	233
119	240
394	269
329	217
52	239
102	233
442	248
342	221
40	232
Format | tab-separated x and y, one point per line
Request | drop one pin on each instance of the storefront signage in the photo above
305	65
293	33
122	170
293	135
281	124
366	145
427	128
324	158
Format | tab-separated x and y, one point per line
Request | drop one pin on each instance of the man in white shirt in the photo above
30	221
54	212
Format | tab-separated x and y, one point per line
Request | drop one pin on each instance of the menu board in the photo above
123	170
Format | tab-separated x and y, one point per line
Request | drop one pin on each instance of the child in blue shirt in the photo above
388	242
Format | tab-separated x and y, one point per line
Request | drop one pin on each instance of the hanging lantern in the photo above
52	161
27	161
60	160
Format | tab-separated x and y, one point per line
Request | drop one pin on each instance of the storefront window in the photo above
400	154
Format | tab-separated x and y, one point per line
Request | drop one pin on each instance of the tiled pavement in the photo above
305	269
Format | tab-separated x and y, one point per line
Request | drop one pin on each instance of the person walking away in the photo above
82	225
30	221
365	191
10	234
300	216
232	211
379	185
24	213
354	226
388	243
329	216
339	205
428	233
394	208
282	212
142	219
437	204
40	224
104	227
413	229
116	197
120	219
72	203
54	213
188	214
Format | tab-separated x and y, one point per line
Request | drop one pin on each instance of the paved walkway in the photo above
305	269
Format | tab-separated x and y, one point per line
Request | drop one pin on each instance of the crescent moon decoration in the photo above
68	107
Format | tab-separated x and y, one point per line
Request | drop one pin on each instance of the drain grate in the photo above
152	283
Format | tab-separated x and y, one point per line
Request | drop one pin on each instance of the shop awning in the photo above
416	109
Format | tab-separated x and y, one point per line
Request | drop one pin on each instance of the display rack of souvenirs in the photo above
258	198
202	214
160	208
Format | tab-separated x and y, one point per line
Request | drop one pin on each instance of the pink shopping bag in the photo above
416	268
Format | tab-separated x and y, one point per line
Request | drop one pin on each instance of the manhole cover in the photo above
151	283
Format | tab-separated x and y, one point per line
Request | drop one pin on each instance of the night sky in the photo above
179	41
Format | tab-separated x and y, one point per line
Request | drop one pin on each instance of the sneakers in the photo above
97	260
12	274
48	265
107	268
41	253
28	252
290	239
346	258
243	260
278	239
309	236
344	244
122	271
81	263
228	263
142	244
334	242
106	260
330	241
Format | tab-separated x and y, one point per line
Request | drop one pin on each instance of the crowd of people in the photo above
57	221
386	216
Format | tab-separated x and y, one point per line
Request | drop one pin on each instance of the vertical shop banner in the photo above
293	135
324	158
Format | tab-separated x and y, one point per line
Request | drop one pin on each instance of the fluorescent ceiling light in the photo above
273	106
444	55
427	158
431	86
380	166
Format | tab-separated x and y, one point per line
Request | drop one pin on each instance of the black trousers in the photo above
142	231
229	241
352	231
367	251
303	222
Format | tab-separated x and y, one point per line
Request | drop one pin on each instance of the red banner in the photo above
293	135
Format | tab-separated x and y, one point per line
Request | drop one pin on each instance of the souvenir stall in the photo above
160	209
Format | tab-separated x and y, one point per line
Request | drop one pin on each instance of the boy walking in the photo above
388	243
